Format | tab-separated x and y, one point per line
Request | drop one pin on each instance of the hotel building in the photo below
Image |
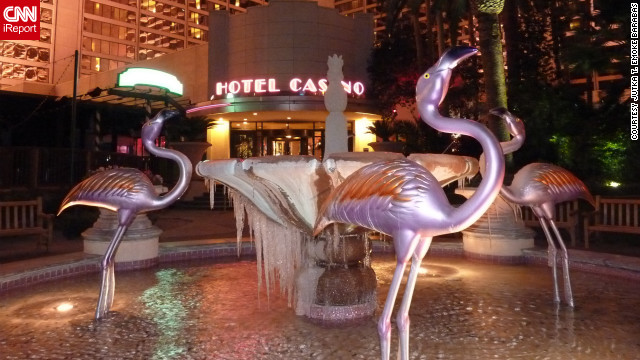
269	63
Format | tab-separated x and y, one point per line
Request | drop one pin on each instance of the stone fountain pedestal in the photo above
138	247
496	236
339	285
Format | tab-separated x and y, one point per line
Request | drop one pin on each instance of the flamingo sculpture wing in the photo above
541	186
128	192
402	199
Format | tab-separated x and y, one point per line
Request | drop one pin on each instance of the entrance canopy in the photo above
138	96
278	108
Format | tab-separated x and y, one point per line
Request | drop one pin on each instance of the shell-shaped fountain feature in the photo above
281	197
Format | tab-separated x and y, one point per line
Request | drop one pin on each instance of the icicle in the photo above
239	214
306	286
212	193
367	251
278	247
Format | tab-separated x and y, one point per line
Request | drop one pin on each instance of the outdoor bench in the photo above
566	218
613	215
22	218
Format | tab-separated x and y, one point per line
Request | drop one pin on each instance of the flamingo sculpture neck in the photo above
430	92
517	132
150	132
516	129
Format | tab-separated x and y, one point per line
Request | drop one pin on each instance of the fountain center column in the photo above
496	236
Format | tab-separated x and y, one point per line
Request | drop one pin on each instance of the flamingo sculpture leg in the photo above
128	192
541	186
402	199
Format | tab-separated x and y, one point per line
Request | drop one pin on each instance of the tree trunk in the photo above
512	38
493	67
556	38
417	34
429	41
440	25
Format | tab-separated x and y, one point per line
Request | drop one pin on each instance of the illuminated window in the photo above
96	64
198	33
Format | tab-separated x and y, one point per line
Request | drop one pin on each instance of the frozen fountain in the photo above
279	197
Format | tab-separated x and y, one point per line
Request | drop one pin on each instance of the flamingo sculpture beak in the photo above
164	115
454	56
498	111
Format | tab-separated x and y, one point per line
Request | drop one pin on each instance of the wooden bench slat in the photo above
25	218
613	215
566	218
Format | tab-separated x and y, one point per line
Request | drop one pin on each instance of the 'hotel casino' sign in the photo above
271	86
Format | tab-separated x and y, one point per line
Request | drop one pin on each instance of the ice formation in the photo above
279	249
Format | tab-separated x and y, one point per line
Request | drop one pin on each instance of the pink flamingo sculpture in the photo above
541	186
128	192
402	199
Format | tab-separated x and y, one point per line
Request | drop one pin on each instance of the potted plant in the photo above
192	129
189	135
384	129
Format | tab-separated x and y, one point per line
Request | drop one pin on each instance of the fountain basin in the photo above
197	309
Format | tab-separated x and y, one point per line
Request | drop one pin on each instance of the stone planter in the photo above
193	150
387	146
497	236
138	247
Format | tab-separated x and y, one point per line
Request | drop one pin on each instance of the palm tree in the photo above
490	43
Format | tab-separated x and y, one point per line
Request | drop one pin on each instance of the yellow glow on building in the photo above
362	138
218	137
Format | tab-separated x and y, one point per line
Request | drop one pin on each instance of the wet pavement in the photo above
213	310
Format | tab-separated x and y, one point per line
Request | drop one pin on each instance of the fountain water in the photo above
197	310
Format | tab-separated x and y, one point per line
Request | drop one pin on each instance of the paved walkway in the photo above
188	228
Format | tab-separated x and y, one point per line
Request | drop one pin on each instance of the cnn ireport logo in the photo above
19	19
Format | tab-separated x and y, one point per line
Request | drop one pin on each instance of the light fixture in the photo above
64	307
613	184
287	132
152	77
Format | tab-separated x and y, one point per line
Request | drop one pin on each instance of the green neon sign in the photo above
150	77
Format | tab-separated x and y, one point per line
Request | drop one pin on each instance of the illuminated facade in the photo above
270	65
108	34
30	61
272	59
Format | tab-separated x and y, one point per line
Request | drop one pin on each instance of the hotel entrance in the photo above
275	138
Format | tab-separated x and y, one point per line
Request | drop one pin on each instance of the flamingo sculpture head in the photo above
151	129
515	125
432	86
